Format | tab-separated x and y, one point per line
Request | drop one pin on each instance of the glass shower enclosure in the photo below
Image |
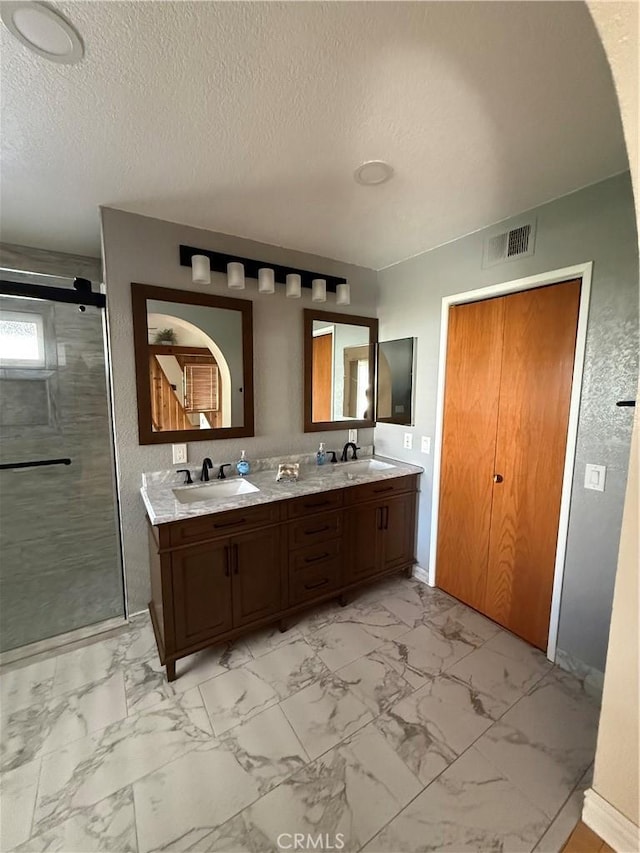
60	558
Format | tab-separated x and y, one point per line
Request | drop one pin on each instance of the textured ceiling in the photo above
249	118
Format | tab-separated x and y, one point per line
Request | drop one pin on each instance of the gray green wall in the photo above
595	224
142	249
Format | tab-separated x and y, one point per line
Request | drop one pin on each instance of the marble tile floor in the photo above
402	722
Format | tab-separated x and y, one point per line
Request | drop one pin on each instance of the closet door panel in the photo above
537	369
474	347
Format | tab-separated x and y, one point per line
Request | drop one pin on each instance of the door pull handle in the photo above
498	478
319	557
317	585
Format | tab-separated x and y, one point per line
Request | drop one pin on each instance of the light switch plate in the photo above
594	477
179	452
408	441
353	435
425	444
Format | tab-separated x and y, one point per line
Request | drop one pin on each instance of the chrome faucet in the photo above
345	451
207	464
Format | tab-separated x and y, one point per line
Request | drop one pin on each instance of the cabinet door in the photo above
398	521
363	528
257	575
535	394
471	398
201	592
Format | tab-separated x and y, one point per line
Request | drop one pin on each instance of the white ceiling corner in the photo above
250	118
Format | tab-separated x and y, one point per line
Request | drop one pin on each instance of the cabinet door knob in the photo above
498	478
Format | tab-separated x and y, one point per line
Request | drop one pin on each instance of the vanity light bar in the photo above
218	262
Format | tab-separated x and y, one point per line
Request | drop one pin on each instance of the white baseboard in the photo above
611	825
592	679
422	575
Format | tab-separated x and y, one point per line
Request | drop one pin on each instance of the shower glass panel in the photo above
60	565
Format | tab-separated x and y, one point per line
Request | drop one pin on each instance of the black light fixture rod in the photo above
630	403
219	261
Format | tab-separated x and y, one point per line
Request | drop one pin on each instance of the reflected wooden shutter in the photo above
201	387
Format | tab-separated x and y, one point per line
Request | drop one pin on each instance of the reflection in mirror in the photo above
195	361
395	382
339	370
341	388
195	366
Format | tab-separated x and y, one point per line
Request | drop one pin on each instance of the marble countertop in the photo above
162	505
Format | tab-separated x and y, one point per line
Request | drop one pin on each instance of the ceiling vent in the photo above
517	242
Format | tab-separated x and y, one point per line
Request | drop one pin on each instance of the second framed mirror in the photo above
339	370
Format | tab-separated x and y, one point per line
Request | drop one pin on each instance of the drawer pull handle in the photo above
317	530
385	489
323	582
315	504
315	559
231	523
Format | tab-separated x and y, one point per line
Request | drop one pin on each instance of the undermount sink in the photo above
365	466
215	491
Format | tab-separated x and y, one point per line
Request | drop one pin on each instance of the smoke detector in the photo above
373	172
43	30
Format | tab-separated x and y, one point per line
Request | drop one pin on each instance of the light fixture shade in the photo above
343	294
235	275
200	269
266	280
294	286
319	290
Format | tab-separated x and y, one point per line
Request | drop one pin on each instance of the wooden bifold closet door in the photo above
507	395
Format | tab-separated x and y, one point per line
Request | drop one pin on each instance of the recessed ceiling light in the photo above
373	172
42	30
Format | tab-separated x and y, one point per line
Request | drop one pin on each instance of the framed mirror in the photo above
194	365
394	398
339	370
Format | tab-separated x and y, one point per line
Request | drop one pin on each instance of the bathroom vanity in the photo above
223	567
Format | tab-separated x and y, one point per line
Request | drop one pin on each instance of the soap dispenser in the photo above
321	455
242	465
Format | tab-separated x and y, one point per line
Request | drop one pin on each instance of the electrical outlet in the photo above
408	441
353	435
179	452
425	444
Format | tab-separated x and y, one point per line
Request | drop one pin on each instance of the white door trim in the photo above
611	825
583	271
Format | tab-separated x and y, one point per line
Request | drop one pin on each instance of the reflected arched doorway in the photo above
182	367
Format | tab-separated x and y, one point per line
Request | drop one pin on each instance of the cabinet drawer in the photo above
380	490
223	524
308	531
314	571
315	503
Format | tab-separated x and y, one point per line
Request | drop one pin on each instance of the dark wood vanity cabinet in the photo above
215	577
380	537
